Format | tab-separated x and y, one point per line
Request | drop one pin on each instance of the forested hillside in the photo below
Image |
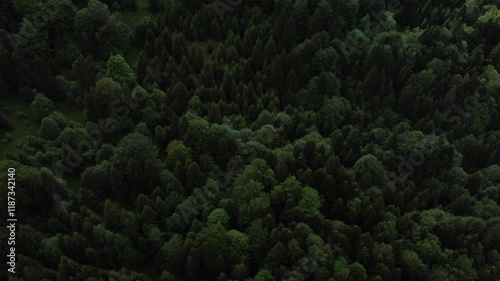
326	140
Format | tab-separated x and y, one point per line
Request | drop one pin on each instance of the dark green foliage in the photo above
41	107
351	140
136	159
369	171
49	128
104	99
100	31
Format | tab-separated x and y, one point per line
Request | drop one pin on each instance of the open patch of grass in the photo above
132	19
18	112
133	57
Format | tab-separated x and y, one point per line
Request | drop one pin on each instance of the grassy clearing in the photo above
133	57
18	112
132	19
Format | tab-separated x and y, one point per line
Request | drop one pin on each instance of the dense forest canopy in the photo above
327	140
